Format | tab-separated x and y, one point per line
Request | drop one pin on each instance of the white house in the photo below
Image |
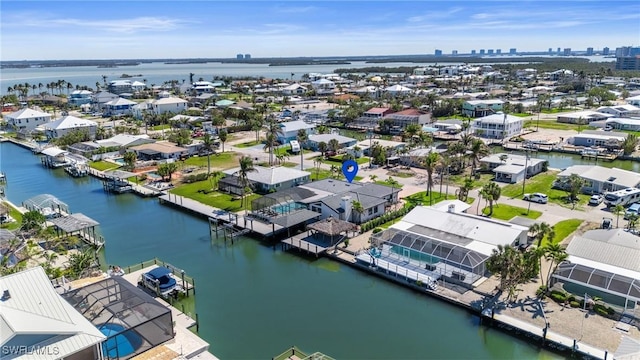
99	100
264	179
316	139
599	179
511	168
68	124
498	126
294	89
631	124
35	317
590	138
80	97
323	86
161	150
582	117
27	119
621	111
634	100
478	108
160	106
396	90
290	130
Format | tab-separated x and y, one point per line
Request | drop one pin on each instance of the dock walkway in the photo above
298	242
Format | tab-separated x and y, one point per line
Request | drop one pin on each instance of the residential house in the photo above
498	126
27	119
598	138
118	143
480	108
392	147
119	106
161	150
621	111
68	124
99	100
264	179
599	180
205	87
323	86
511	168
582	117
377	113
80	97
397	90
316	139
290	130
160	106
629	124
634	100
605	261
398	121
449	244
294	89
38	323
120	86
335	199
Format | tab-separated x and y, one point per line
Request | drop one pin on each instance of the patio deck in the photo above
299	242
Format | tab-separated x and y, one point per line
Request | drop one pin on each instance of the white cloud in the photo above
130	25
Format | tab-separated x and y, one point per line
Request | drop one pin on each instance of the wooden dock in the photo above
298	242
218	217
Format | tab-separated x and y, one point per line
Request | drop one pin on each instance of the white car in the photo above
596	200
539	198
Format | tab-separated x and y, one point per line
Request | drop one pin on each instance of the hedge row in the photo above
194	178
385	218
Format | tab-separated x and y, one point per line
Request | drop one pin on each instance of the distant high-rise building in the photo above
559	51
566	52
628	58
247	56
473	52
239	57
605	51
454	52
490	52
438	52
512	51
498	51
550	50
589	51
481	51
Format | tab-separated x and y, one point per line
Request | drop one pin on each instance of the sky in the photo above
119	29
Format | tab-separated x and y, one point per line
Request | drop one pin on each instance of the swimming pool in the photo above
119	161
119	344
287	208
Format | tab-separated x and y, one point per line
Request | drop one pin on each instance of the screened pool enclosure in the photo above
446	259
133	321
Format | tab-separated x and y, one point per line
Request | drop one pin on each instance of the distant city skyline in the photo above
59	30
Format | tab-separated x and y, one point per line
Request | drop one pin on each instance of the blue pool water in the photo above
287	208
415	255
119	161
118	344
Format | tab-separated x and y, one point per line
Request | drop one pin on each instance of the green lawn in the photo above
248	144
460	179
521	114
161	127
563	229
508	212
421	198
338	159
550	124
15	215
386	183
103	165
216	199
542	183
222	161
325	174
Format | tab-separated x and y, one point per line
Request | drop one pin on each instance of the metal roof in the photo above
295	218
36	308
612	247
74	222
624	286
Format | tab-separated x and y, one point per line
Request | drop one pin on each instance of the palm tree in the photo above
223	136
274	131
430	162
333	145
302	138
317	162
477	150
207	145
540	231
556	254
491	192
618	210
357	207
246	166
322	147
373	178
394	184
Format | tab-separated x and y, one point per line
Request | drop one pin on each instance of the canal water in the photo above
563	160
253	302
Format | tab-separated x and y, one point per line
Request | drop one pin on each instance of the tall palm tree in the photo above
274	130
318	162
246	167
207	145
302	138
223	135
430	162
556	254
477	151
618	210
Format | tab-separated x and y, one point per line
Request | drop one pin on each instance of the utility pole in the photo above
526	170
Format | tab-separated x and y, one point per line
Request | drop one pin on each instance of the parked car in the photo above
596	200
634	209
539	198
